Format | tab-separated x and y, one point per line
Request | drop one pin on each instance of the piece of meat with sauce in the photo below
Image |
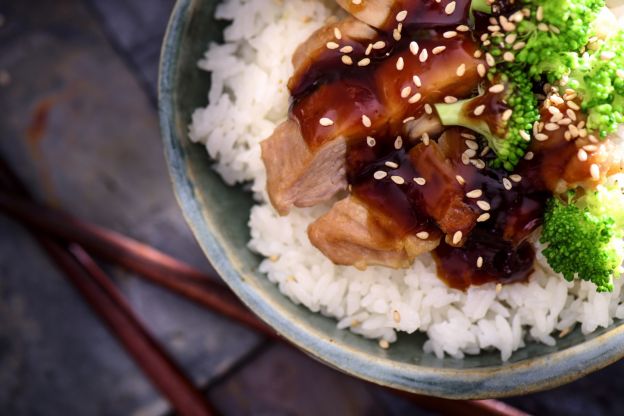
309	58
298	177
569	156
351	235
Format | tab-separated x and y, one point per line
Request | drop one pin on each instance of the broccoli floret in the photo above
510	137
584	236
599	80
545	35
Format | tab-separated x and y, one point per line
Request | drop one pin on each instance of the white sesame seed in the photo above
346	60
332	45
450	99
539	15
551	126
543	27
594	170
396	34
423	235
573	105
472	144
405	92
490	59
428	109
525	135
380	174
364	62
462	28
409	119
380	44
474	194
413	47
460	179
415	98
511	38
507	114
417	81
438	50
425	139
397	179
484	205
370	141
398	143
495	89
401	15
337	33
470	153
461	70
392	165
366	121
457	237
346	49
483	217
507	184
326	122
541	137
450	8
420	181
480	262
369	49
509	56
479	110
424	55
450	34
582	155
529	156
516	178
384	344
400	64
481	70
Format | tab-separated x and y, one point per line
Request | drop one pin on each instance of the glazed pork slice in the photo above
313	53
298	177
349	234
569	156
385	14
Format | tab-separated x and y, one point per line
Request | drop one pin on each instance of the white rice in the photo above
248	99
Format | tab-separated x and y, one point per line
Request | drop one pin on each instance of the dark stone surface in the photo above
78	123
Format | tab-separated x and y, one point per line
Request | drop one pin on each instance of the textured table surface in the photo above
78	121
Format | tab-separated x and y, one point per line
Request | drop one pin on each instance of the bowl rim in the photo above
526	376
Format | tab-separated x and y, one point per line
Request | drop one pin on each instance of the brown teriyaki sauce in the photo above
501	241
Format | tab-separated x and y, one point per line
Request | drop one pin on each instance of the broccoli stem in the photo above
456	115
483	6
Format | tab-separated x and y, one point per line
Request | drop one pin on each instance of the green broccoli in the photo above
483	6
546	35
598	78
510	138
584	236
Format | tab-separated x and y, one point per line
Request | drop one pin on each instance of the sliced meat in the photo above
444	197
314	52
382	14
569	157
295	175
388	93
349	234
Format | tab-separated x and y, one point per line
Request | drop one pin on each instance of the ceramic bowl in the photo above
218	216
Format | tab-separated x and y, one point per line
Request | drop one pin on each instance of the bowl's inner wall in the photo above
225	211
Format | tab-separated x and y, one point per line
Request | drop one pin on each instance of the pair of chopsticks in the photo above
68	241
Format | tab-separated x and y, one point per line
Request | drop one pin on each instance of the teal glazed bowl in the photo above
218	216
